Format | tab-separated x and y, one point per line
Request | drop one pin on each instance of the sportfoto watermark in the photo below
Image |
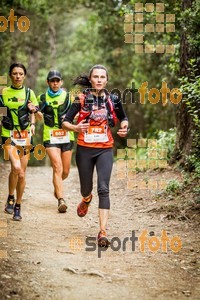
147	242
154	95
23	23
135	27
19	151
141	154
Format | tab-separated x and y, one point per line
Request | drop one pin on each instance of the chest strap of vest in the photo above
49	113
87	101
22	113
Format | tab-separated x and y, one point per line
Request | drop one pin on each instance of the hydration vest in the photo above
86	101
22	112
48	111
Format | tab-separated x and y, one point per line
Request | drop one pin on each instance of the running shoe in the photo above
62	206
17	216
9	208
82	207
102	239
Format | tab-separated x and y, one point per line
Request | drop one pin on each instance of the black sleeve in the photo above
121	115
74	109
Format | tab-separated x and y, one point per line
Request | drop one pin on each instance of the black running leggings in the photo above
86	159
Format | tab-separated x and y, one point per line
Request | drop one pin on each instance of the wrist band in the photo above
32	124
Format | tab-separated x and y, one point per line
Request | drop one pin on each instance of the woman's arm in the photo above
122	117
32	124
69	117
80	127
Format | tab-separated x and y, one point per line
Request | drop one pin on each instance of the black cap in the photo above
54	74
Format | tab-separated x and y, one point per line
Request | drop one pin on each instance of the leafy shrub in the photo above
173	186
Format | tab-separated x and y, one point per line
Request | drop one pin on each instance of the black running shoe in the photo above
9	208
17	216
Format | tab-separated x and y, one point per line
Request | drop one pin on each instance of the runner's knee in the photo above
21	175
64	175
57	168
16	170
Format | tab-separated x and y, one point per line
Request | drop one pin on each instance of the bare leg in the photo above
56	163
16	181
21	179
15	169
103	218
66	162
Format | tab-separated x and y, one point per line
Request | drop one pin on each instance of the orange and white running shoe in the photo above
102	239
82	207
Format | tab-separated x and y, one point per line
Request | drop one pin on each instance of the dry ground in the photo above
46	251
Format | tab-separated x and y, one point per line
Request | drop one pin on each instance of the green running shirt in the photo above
13	98
54	102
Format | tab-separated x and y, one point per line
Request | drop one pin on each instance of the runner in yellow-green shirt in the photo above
58	142
17	128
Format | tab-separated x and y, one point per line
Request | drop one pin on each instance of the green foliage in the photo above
154	68
194	161
166	140
173	186
191	96
74	35
190	23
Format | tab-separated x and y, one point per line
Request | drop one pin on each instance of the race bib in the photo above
59	136
96	134
21	137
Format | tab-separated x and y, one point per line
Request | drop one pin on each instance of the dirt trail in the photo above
42	264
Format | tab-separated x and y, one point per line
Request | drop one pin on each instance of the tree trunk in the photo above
33	67
184	121
52	44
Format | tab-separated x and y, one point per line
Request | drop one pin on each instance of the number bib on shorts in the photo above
96	134
59	136
21	137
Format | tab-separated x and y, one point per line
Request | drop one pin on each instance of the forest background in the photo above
71	36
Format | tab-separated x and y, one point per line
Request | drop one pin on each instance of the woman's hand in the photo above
31	107
32	128
35	109
82	126
123	131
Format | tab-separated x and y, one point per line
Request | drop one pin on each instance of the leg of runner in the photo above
104	165
20	187
66	162
16	181
21	179
85	163
56	163
13	176
102	235
15	169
